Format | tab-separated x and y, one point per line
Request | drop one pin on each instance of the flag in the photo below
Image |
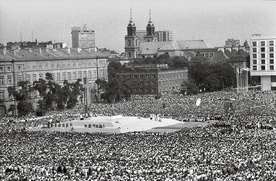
198	101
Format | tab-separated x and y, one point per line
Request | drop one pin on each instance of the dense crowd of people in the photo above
238	147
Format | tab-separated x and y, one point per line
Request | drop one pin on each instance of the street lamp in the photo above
14	86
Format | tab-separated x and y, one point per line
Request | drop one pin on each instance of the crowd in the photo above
239	147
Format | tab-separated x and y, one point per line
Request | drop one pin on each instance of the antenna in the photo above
150	15
21	37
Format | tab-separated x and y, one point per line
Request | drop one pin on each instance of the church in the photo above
143	44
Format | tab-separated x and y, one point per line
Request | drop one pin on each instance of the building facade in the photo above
263	61
83	38
164	35
154	80
64	64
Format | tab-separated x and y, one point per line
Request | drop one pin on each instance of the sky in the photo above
213	21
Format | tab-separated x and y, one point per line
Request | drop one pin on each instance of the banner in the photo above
198	101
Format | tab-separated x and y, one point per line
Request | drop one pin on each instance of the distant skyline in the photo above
213	21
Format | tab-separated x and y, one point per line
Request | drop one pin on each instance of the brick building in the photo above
153	79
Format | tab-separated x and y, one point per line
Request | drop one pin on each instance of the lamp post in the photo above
14	86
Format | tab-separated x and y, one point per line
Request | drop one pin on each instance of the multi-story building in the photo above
153	79
83	38
64	64
263	61
164	35
232	43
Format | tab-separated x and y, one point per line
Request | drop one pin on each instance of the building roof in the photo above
48	54
220	56
149	48
193	44
170	46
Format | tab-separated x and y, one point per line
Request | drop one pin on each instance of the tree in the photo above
24	107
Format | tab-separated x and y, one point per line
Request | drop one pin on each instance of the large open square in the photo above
120	124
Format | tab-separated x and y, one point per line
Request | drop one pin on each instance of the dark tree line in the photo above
53	95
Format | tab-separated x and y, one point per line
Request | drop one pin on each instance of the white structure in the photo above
262	60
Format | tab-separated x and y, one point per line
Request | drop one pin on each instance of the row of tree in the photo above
52	95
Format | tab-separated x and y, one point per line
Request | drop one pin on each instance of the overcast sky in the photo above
214	21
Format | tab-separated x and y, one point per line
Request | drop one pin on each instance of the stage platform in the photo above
120	124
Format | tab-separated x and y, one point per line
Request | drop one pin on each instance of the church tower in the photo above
131	40
150	37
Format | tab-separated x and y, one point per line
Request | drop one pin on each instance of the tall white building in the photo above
262	60
83	38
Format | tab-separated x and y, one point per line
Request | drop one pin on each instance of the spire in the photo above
130	14
149	15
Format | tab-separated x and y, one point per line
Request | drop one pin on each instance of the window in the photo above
58	76
40	67
95	74
74	65
135	76
90	74
254	44
19	68
69	66
153	76
254	67
69	75
262	49
8	69
271	61
27	77
41	76
19	78
64	76
211	54
262	43
262	61
52	66
273	78
34	67
80	77
129	42
46	66
2	80
254	49
34	77
271	67
271	49
254	55
271	43
271	55
84	74
262	67
129	54
74	75
1	94
147	76
101	73
254	61
9	78
141	76
136	42
1	69
262	55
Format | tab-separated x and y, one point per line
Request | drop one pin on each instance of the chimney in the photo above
39	50
30	50
4	51
79	50
47	50
14	52
68	50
